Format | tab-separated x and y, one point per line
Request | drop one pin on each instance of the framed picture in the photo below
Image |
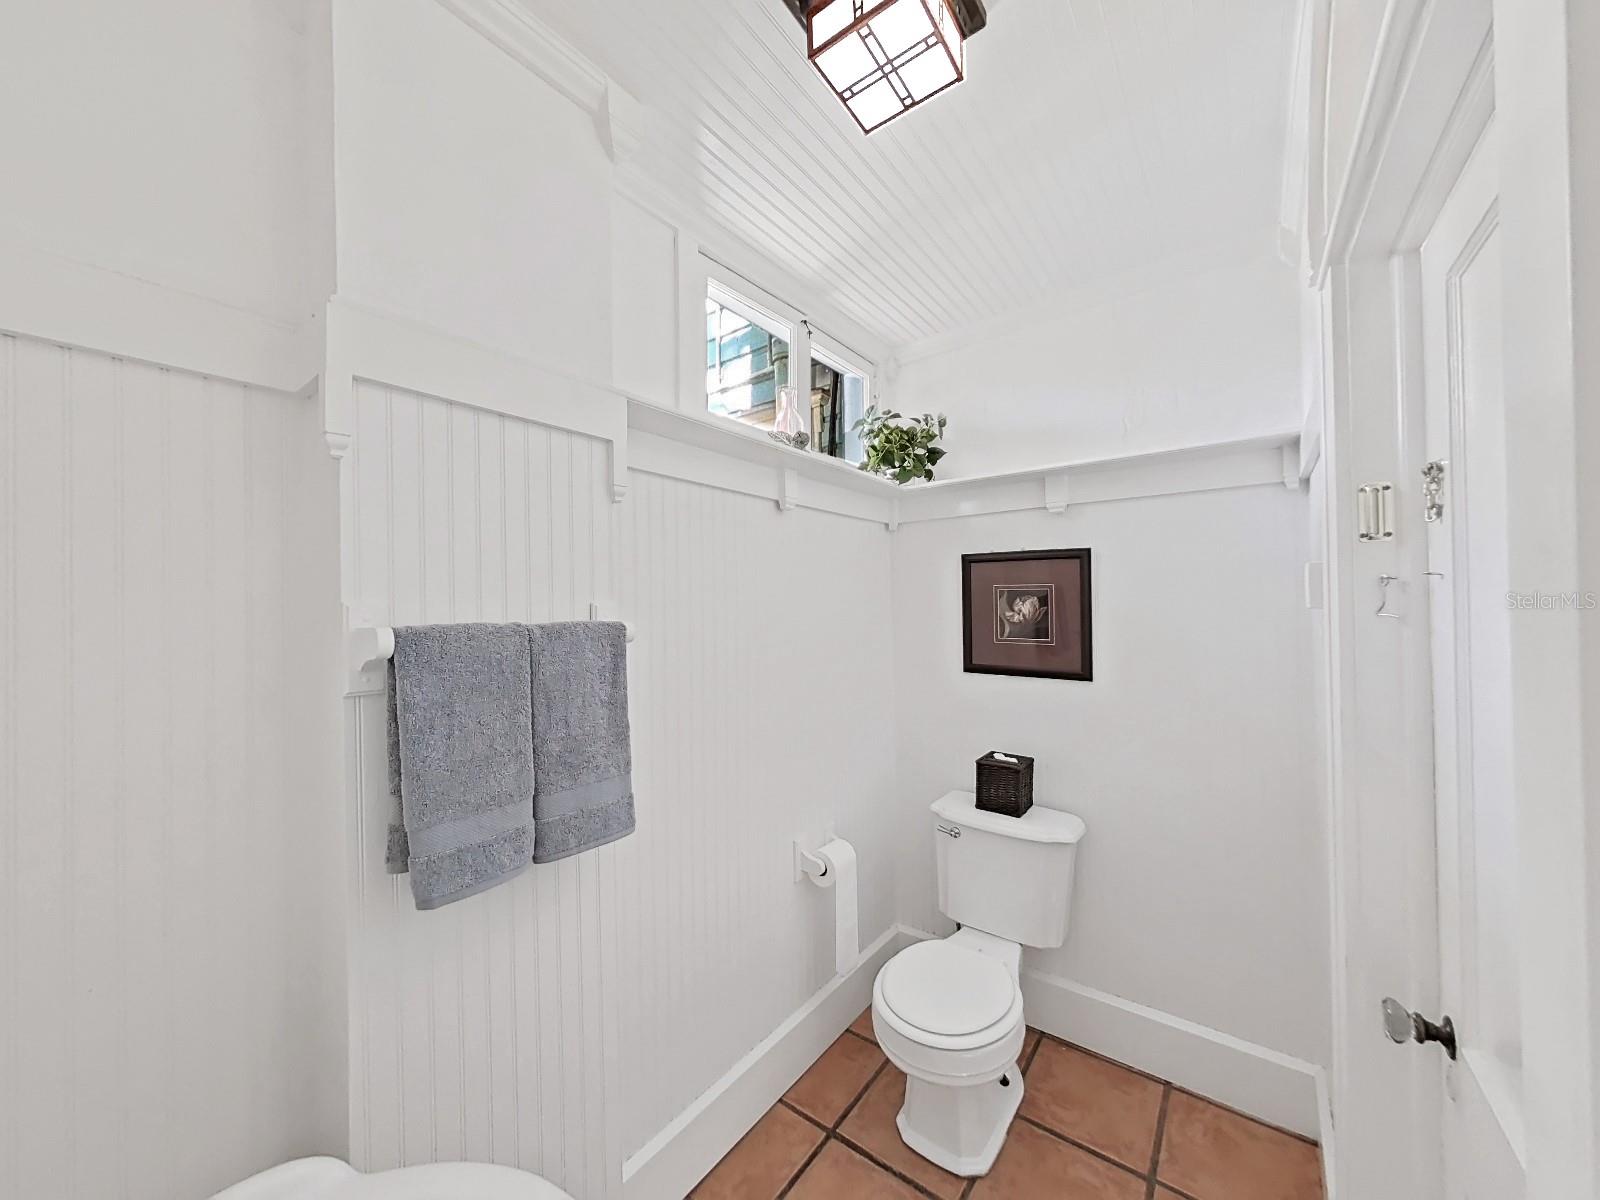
1027	613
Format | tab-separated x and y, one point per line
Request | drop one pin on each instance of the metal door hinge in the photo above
1433	491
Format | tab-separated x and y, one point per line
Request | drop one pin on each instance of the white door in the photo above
1470	613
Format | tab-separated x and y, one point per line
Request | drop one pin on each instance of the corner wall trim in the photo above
1273	1087
678	1157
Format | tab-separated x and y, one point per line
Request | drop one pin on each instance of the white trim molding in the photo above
618	117
1292	200
680	1155
528	40
1273	1087
1267	1084
365	344
1415	88
1247	462
722	453
56	298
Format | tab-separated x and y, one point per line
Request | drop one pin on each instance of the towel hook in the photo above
1383	603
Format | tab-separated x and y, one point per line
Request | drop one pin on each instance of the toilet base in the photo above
960	1128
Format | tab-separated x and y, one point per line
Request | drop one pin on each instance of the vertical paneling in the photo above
150	1046
1166	131
561	1021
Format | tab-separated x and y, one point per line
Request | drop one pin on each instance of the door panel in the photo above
1470	611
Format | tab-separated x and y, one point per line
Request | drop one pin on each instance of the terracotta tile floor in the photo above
1089	1129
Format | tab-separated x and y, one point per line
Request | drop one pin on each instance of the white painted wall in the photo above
650	338
472	196
1197	354
762	704
1201	890
171	1001
167	141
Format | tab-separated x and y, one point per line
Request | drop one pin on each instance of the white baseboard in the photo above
679	1156
1270	1086
1273	1087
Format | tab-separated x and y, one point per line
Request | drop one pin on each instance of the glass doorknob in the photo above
1402	1026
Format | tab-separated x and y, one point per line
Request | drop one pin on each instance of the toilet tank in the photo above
1009	876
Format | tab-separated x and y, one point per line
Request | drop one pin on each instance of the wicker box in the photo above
1005	787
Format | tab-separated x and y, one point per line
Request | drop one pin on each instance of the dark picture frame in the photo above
1029	613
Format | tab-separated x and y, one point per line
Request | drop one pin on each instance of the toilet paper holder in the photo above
813	866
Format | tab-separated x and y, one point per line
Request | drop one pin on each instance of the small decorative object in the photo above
787	426
1005	783
901	448
1027	613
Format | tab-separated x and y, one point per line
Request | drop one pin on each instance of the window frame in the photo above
761	308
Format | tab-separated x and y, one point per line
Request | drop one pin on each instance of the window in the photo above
747	360
840	393
752	358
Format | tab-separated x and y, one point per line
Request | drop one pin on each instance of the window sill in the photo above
746	443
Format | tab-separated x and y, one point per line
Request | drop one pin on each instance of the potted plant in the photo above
900	448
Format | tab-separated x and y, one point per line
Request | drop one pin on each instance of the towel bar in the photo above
372	646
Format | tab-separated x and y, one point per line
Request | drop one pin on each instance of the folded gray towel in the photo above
460	758
583	758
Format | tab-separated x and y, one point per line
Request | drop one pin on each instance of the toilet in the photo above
949	1012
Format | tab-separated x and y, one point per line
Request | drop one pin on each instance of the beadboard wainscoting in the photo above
170	975
562	1021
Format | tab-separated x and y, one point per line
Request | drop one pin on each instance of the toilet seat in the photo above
948	992
947	1013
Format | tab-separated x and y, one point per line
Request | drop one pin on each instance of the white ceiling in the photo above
1093	138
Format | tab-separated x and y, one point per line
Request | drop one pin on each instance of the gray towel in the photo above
460	758
583	758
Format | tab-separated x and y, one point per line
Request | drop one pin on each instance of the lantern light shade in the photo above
885	57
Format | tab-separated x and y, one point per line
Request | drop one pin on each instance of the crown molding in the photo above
1294	195
529	41
536	46
621	122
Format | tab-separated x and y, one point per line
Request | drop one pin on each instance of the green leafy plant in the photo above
901	448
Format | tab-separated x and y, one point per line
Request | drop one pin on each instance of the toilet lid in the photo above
946	989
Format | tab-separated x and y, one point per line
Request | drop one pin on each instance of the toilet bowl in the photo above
948	1012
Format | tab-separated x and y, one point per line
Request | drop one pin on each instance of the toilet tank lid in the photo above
1036	825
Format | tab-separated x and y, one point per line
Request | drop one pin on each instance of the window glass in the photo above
752	378
839	395
746	364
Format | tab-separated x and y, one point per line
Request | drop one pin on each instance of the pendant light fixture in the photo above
883	58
